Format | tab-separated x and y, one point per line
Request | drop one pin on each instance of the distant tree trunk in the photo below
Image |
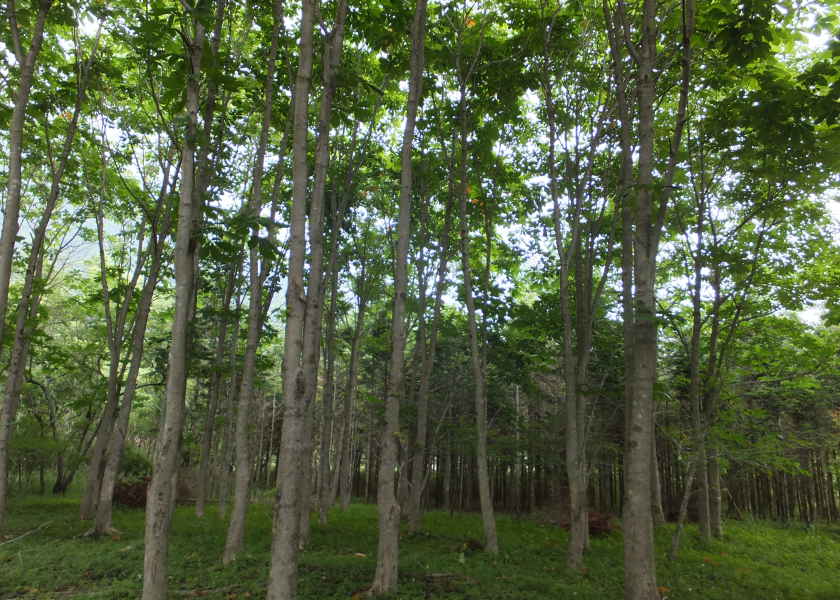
418	464
344	469
14	382
387	556
695	399
224	461
282	583
116	323
204	172
161	494
214	394
656	491
675	539
116	440
326	496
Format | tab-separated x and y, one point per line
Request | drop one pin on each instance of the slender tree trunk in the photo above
14	179
116	330
344	470
314	292
116	443
214	395
418	464
29	295
694	387
161	494
675	539
326	496
14	383
491	543
656	507
715	494
224	463
282	583
236	528
387	556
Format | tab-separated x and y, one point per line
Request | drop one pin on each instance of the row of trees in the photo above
531	253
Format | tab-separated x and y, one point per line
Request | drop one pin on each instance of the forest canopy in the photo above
488	255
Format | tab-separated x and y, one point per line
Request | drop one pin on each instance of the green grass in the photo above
755	560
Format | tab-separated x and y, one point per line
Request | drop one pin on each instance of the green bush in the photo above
135	466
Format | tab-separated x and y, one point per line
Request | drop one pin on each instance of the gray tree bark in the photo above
161	494
30	297
282	584
27	63
242	477
387	554
314	292
214	394
418	461
643	219
116	443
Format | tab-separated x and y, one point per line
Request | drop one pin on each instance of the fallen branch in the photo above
20	537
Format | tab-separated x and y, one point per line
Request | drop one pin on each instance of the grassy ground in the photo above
759	561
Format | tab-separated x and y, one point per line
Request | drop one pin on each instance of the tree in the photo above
644	201
161	495
387	556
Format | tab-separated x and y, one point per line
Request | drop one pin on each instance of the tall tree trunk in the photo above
116	331
343	479
695	399
314	292
26	62
387	555
14	381
643	220
161	494
282	583
491	543
326	497
29	295
236	527
640	568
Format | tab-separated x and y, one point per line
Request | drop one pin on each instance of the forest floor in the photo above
755	560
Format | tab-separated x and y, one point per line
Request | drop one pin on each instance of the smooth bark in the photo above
242	477
282	584
387	554
30	295
643	219
214	393
8	238
419	476
161	493
116	443
314	292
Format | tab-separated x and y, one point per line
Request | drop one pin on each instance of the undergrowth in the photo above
755	560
